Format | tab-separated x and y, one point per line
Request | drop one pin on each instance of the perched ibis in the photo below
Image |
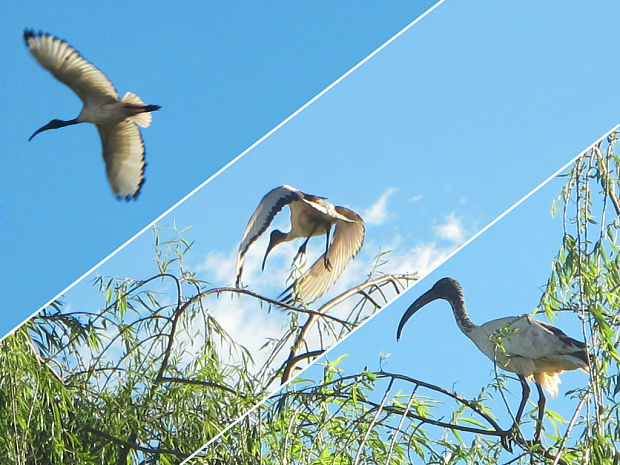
116	119
534	350
310	216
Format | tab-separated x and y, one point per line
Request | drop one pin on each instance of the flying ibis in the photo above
534	350
310	216
116	119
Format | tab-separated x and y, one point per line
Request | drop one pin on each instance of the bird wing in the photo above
564	344
123	153
534	339
327	209
274	201
68	66
346	242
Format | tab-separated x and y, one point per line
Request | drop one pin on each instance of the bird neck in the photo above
457	301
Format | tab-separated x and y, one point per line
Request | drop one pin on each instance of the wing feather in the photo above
69	67
538	341
274	201
123	153
346	242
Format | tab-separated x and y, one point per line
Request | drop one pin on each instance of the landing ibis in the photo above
310	216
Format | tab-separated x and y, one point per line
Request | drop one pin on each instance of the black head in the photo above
54	124
445	288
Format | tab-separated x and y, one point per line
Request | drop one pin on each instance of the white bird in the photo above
534	350
123	149
310	216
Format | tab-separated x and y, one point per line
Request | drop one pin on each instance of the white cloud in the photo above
377	212
452	229
415	198
423	258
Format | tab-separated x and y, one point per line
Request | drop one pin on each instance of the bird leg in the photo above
526	394
510	434
541	412
302	249
328	265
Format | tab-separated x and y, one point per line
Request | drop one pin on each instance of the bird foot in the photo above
300	252
509	437
534	443
328	264
302	249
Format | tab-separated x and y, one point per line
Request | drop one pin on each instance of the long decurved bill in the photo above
420	302
269	247
44	128
54	124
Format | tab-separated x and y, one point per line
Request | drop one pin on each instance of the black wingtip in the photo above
31	33
128	198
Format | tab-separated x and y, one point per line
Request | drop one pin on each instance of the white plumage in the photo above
532	349
310	216
116	119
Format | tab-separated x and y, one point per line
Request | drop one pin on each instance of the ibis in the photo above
310	216
531	349
117	120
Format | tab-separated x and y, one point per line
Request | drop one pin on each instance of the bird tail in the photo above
142	116
550	381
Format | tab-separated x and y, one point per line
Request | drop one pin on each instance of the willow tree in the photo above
145	373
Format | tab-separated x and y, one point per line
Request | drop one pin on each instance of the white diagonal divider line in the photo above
457	250
234	160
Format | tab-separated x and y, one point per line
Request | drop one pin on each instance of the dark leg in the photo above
326	260
509	434
302	249
526	395
541	412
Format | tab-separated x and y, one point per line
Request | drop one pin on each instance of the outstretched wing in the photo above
274	201
346	242
123	153
68	66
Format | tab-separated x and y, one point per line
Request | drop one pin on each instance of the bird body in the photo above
311	216
535	350
115	118
532	349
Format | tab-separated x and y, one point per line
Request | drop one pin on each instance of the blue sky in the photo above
224	74
430	140
489	97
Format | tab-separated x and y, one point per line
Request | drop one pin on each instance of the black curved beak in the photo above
54	124
269	247
44	128
420	302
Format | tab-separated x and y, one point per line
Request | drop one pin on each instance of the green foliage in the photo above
357	419
586	279
147	374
